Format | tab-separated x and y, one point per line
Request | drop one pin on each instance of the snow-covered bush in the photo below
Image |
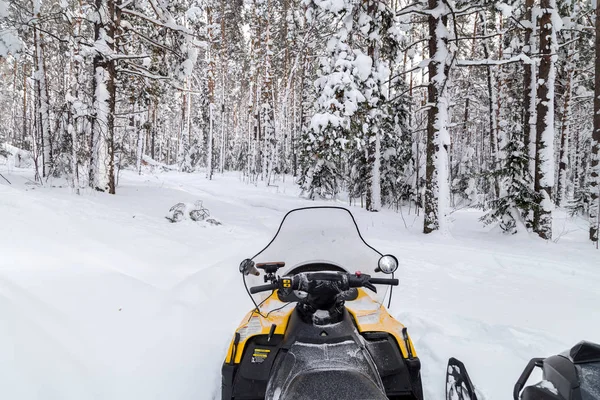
15	156
194	211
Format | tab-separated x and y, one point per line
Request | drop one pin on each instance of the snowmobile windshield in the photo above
320	235
315	238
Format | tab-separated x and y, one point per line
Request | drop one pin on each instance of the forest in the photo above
432	105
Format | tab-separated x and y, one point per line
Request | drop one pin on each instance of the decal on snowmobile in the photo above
255	324
259	355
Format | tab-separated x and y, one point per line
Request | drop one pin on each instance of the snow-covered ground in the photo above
102	298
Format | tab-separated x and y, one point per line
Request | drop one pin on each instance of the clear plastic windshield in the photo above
321	235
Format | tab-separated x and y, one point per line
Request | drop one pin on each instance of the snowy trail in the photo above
102	298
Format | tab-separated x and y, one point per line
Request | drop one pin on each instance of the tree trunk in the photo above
223	68
13	130
24	131
436	171
595	175
563	159
73	124
493	108
529	79
211	94
102	170
154	128
181	134
43	106
139	153
544	156
374	161
267	108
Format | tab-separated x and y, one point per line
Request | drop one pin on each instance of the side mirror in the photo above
247	267
388	264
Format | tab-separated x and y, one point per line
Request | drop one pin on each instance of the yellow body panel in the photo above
369	315
254	324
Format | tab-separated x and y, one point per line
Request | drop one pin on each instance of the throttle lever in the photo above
363	280
370	286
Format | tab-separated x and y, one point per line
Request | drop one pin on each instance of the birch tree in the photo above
595	161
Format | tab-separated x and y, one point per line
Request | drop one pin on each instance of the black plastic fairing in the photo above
248	380
561	372
584	352
540	392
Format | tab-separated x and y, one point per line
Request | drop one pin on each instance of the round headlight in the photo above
388	264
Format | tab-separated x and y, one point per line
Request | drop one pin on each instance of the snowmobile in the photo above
321	329
571	375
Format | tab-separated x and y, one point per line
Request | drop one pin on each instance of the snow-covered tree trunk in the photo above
376	175
438	139
223	69
211	94
139	153
73	124
493	106
544	157
563	158
267	108
43	104
102	170
183	140
223	140
372	97
75	105
595	164
529	79
24	127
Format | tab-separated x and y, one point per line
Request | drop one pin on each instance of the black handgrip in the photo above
263	288
384	281
535	362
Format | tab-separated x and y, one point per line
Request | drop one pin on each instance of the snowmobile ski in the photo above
458	382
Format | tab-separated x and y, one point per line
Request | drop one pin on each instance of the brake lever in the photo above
370	286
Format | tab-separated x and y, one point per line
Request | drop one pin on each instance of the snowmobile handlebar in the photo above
264	288
384	281
307	281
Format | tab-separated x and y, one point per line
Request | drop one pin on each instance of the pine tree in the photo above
517	197
338	99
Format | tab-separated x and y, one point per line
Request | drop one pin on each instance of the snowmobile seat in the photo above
319	384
